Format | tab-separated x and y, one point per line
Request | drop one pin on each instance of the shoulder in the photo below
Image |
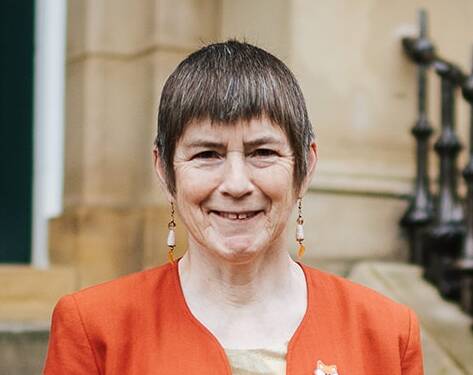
128	287
125	296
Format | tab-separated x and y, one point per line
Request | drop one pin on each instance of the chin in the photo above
239	250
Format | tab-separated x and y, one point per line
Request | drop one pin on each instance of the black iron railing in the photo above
440	228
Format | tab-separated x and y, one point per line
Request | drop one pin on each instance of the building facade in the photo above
361	96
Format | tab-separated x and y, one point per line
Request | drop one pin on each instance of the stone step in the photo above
446	335
27	298
23	347
28	294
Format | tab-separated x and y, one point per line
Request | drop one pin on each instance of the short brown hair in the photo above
231	81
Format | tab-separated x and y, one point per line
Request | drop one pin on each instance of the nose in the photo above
236	181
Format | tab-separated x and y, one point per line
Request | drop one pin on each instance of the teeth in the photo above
236	216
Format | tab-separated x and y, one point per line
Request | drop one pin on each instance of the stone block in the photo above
75	110
110	106
28	294
127	28
102	243
187	24
113	27
266	23
22	350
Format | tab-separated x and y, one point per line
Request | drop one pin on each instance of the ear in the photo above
311	163
161	174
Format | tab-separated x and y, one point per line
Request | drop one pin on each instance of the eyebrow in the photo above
252	143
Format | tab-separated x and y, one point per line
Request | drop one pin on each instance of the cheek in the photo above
277	185
193	185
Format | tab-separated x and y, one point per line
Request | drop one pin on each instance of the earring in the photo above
300	230
171	236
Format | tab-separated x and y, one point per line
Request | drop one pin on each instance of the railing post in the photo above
443	238
420	210
465	263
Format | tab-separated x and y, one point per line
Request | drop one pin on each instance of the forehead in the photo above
242	131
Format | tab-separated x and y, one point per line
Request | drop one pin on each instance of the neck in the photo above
229	285
249	304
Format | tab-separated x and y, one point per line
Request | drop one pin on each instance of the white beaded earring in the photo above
171	236
300	229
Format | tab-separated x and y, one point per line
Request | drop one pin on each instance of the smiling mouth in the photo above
237	216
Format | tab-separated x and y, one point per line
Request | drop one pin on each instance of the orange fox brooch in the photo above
323	369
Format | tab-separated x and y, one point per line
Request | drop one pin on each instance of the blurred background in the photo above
80	87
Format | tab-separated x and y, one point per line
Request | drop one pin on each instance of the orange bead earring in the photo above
171	241
300	229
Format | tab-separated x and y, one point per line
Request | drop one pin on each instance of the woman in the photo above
234	153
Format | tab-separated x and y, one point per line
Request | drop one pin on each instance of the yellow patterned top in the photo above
267	361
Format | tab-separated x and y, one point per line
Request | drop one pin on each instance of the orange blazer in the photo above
141	324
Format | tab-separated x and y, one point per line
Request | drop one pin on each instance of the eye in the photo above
263	152
207	155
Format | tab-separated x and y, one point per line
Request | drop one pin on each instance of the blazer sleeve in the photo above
69	349
412	360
